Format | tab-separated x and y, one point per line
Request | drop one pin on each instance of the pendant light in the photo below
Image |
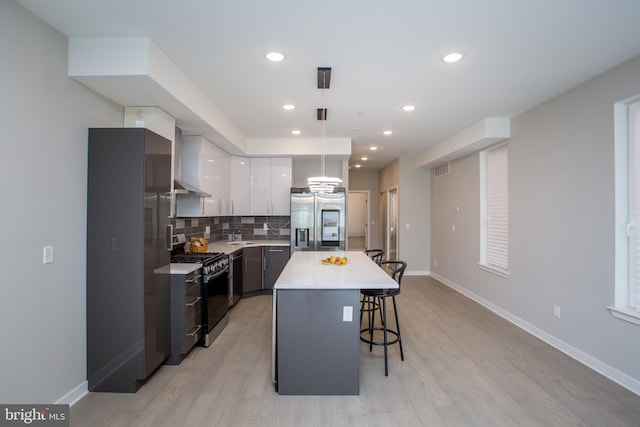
323	183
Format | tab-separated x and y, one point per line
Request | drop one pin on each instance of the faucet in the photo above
237	235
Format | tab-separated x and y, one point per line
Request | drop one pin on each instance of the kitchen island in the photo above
316	328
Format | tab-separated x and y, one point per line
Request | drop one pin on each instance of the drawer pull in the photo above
194	279
193	302
195	331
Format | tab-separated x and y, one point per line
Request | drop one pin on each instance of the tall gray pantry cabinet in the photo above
128	236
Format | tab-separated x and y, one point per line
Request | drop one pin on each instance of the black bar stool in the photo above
375	254
381	296
369	303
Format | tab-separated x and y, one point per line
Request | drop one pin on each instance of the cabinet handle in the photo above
276	250
195	331
264	263
232	208
194	279
194	302
168	237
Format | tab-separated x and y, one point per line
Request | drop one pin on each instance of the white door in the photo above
357	220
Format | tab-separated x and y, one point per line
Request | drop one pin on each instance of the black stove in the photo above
214	289
212	262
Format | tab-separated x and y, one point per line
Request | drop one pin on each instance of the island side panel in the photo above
317	352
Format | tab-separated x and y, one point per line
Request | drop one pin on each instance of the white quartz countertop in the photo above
227	246
174	268
305	270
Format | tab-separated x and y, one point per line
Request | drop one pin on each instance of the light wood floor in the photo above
463	366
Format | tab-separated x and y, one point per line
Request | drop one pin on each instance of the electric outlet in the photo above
453	228
556	310
347	313
435	262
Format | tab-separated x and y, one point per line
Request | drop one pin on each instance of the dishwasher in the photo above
235	277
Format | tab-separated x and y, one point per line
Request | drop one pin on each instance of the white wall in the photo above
414	204
560	222
44	116
413	212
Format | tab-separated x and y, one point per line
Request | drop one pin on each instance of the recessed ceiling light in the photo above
289	107
387	132
373	148
409	107
358	165
452	57
364	158
296	132
275	56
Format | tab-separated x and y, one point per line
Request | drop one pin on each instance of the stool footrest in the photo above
368	331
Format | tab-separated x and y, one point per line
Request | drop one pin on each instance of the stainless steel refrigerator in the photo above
318	220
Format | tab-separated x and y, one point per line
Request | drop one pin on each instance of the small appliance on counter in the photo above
215	286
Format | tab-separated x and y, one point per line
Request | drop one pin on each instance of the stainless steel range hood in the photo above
184	189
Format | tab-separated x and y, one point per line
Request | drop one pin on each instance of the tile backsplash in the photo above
222	228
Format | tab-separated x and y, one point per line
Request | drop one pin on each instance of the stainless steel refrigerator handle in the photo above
168	237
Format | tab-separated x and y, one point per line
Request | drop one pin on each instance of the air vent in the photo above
322	114
324	77
441	170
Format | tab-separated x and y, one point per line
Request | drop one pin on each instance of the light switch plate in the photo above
47	254
347	313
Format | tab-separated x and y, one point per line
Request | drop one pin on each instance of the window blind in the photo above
497	237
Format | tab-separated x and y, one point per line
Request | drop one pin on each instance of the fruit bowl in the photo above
335	261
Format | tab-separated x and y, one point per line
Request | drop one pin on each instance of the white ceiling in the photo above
384	54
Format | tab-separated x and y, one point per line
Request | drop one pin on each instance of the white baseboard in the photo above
597	365
416	273
74	395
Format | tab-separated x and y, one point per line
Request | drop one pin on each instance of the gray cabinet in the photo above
128	237
186	314
252	271
275	258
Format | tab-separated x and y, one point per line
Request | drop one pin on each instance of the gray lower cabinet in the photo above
261	268
317	352
275	258
186	315
252	271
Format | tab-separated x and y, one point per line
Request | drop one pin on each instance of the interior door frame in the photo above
367	227
388	223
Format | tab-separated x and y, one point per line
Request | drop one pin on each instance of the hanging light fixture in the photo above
323	183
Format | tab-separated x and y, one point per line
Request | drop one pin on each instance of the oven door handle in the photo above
218	273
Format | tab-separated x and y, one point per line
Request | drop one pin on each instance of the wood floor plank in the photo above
464	366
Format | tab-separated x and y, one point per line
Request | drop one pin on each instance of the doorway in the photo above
358	220
389	210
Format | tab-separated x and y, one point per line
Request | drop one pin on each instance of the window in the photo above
494	207
627	207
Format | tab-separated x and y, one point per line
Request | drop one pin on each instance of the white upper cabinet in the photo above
260	185
204	166
281	180
270	186
240	186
